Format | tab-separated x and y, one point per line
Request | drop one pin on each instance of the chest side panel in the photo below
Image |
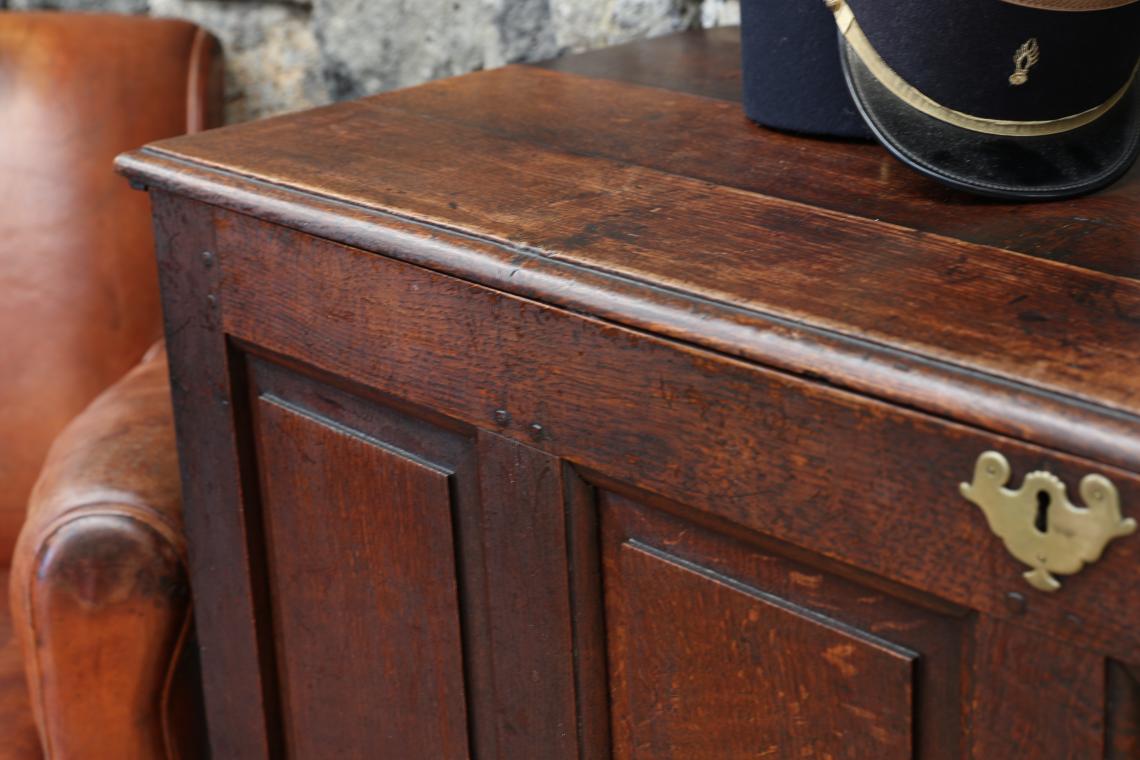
365	606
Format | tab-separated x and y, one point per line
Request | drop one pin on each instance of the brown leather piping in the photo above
168	682
195	111
100	508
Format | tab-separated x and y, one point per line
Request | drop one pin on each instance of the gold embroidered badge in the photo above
1025	57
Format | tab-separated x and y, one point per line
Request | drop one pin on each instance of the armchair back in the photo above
79	301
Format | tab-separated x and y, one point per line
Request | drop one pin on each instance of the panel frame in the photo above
219	308
499	483
219	495
437	442
488	359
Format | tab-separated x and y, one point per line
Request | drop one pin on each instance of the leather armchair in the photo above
98	586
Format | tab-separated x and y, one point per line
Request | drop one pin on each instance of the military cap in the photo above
792	79
1027	99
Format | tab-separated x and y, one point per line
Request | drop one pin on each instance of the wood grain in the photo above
931	635
363	582
689	399
428	438
642	110
1055	326
1033	698
1088	233
704	667
869	368
524	535
703	62
221	516
614	400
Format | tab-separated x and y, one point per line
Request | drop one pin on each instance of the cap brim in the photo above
1030	168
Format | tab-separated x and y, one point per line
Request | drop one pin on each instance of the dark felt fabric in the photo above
791	71
1056	166
960	53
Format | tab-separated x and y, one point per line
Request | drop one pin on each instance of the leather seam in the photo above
34	678
195	116
134	512
168	681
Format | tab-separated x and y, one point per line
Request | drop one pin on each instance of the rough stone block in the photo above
105	6
272	58
284	55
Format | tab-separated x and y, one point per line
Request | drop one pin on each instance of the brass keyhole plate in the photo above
1039	525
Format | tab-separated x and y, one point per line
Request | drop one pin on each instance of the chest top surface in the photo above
627	184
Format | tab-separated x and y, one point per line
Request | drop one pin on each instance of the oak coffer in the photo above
559	412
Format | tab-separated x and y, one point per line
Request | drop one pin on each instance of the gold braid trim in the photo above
1071	5
901	89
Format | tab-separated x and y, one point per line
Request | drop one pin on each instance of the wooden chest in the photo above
559	412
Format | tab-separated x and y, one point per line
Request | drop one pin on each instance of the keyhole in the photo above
1042	521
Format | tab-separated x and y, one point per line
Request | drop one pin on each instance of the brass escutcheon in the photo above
1038	523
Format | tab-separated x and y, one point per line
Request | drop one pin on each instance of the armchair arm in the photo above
99	588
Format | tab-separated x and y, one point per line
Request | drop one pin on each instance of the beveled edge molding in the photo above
981	399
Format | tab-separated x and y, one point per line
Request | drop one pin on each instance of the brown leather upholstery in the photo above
18	740
100	594
80	298
98	584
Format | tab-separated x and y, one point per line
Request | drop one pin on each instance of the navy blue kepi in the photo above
1029	99
791	72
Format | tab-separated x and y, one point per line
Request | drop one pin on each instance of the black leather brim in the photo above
1028	168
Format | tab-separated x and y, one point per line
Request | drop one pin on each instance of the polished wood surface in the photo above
701	427
704	665
702	62
886	668
1099	232
398	586
672	226
1018	318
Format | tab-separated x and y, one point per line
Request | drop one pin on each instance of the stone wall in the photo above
283	55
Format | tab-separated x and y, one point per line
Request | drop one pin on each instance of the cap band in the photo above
1071	5
900	88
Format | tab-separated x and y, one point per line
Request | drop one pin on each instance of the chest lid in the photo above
628	185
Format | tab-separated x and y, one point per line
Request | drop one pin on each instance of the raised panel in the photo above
501	505
364	597
706	667
722	643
